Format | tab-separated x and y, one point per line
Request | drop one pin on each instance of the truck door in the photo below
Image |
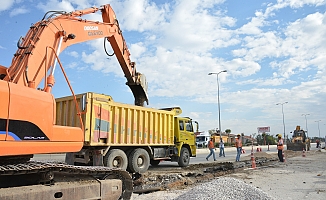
185	132
189	133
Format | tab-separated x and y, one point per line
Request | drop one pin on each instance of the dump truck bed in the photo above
110	123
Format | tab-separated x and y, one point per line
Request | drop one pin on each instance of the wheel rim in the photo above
140	161
117	162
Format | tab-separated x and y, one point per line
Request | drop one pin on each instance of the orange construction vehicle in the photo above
28	109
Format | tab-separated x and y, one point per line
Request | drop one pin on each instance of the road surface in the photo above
230	154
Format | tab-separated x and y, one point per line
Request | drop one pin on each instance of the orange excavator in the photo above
27	114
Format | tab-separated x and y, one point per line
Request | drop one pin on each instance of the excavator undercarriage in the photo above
59	180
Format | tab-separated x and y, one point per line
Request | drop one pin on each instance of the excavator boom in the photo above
37	52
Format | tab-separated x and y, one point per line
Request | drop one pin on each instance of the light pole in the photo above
318	127
305	116
283	117
218	101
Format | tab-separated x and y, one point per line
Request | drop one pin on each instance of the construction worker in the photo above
222	148
211	149
280	147
238	145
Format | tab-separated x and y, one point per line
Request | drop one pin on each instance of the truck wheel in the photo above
155	162
184	157
116	158
138	161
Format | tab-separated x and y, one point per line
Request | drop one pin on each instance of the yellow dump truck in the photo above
127	136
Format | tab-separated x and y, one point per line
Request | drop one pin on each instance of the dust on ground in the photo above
302	176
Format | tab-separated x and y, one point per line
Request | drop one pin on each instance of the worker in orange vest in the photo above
238	145
211	148
280	148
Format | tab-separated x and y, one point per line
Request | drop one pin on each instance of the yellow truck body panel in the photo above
108	123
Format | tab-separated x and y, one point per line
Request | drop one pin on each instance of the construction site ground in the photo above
301	176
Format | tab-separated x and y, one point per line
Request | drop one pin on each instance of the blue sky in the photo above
273	51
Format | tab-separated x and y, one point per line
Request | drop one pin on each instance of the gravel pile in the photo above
224	189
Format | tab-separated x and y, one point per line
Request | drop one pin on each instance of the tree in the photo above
259	139
269	139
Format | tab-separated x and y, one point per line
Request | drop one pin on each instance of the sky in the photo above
274	52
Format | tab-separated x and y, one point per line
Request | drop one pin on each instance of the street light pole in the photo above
283	117
218	101
318	127
305	116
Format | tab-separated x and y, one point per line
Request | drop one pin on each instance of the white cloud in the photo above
194	26
18	11
5	5
137	50
169	72
263	82
303	44
240	67
270	10
253	27
301	3
99	61
72	65
56	5
72	53
140	15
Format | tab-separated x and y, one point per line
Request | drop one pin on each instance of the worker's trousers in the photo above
239	149
211	153
280	155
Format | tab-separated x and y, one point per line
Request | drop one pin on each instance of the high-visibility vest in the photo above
238	143
211	145
280	144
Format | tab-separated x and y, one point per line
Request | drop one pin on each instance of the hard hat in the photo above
279	135
238	135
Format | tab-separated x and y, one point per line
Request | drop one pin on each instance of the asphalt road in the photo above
230	154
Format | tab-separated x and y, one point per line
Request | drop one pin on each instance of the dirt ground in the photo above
298	178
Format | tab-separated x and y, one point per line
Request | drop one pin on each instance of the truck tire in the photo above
116	158
184	157
138	161
155	162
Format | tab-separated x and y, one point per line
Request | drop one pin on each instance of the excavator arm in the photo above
37	54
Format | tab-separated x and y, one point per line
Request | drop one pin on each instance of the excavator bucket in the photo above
139	89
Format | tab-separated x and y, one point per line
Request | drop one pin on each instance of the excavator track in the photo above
48	169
